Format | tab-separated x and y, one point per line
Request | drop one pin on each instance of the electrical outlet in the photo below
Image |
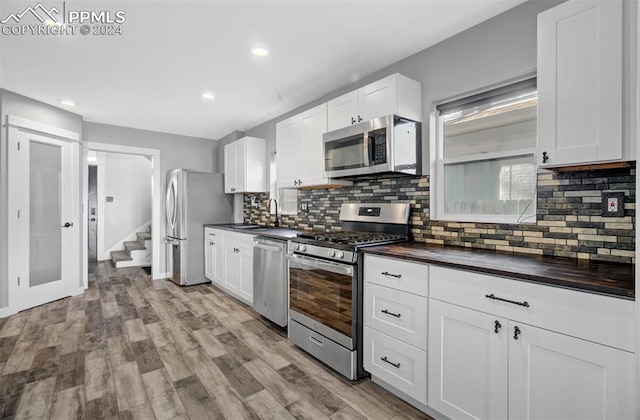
612	204
304	207
254	201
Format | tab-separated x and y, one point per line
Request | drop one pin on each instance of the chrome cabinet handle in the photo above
395	365
386	273
385	311
545	157
494	297
67	224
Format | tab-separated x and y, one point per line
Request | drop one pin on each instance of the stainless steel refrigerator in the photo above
193	199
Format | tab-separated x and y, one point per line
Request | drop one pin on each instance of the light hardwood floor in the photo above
136	348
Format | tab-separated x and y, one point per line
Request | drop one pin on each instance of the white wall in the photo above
126	178
175	152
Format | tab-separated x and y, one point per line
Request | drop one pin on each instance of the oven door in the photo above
321	297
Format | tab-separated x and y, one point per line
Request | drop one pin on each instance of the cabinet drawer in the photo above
397	274
398	364
593	317
398	314
212	234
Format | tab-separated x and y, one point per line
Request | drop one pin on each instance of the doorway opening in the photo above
122	196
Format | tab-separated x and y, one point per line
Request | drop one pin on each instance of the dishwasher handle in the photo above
273	248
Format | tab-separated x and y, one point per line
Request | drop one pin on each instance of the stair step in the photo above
117	256
143	236
133	246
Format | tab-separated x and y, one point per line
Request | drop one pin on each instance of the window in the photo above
287	199
484	147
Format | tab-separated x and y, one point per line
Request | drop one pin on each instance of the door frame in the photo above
156	197
15	125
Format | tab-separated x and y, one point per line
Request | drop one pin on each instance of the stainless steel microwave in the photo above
382	145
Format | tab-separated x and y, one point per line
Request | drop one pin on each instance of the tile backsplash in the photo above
569	221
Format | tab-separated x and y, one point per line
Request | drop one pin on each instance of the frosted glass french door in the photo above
43	237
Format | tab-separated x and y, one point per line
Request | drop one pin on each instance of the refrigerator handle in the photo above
171	218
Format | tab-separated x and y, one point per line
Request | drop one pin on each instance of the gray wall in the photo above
21	106
492	52
175	152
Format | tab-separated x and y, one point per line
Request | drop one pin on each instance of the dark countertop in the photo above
604	278
271	232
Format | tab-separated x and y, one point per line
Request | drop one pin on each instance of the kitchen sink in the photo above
247	227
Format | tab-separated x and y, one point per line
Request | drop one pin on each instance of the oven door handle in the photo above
322	265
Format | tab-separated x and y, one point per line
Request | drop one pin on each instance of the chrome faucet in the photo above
277	222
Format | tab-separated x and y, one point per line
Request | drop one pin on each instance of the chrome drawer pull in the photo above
384	311
386	273
494	297
395	365
316	341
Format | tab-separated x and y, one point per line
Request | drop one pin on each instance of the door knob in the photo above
67	224
93	219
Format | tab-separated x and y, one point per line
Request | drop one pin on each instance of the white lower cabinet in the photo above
238	263
395	325
493	364
468	369
213	255
554	376
228	262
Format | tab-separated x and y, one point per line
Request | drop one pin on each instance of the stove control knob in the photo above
296	247
303	248
340	254
332	253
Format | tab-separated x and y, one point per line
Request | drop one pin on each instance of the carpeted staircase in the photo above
136	253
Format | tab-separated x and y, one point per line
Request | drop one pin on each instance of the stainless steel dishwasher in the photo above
270	279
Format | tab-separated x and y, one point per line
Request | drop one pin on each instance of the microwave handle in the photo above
367	142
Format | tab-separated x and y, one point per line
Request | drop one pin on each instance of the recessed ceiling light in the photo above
67	103
260	52
208	96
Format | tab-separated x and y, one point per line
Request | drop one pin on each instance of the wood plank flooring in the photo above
135	348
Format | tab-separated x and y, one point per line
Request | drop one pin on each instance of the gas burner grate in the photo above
350	238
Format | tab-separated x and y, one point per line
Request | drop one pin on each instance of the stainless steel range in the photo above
325	282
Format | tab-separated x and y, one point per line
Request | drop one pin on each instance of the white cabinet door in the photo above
378	99
467	363
238	257
245	165
219	257
209	259
241	165
287	145
580	83
230	168
245	271
342	111
232	266
313	123
554	376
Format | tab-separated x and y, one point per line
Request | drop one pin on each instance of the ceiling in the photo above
152	76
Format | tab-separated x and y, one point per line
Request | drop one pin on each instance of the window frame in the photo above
438	163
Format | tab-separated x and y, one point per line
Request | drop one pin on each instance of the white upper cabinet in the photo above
245	163
395	94
580	83
300	155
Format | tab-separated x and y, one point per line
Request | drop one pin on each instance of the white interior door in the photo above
43	225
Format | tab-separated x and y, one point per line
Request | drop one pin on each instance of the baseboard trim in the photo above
160	276
5	312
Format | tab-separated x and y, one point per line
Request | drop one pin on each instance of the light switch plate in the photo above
612	204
